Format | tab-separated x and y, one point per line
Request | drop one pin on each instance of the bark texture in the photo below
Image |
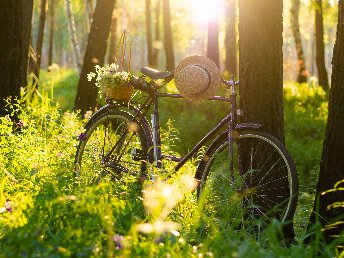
157	42
52	30
149	33
213	40
294	20
230	38
261	72
332	161
320	48
15	17
168	38
73	35
261	64
40	36
113	36
86	97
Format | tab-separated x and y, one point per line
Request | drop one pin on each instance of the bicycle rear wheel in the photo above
113	145
264	184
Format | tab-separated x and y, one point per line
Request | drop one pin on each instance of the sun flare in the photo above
205	10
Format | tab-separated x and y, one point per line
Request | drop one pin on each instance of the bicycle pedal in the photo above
138	155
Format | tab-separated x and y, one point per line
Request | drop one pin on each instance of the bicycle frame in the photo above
156	127
230	120
152	100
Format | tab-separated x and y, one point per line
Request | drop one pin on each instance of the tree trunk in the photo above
149	33
73	35
332	161
230	38
86	97
213	40
40	36
113	37
319	44
294	20
87	17
52	29
157	42
168	39
90	10
261	69
15	17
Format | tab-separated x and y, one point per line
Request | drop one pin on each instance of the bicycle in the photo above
241	165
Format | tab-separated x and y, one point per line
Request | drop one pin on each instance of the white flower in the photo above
90	76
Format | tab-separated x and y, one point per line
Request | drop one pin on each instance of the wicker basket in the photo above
119	92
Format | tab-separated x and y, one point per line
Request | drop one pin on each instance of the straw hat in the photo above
197	77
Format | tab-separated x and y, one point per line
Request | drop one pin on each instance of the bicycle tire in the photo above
265	185
101	135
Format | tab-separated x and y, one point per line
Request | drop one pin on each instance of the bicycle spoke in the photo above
105	153
261	188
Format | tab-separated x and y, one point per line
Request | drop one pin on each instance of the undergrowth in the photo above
46	213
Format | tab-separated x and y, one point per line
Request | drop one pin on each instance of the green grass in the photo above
53	216
61	85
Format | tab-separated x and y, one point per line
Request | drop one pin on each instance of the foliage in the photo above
60	85
305	110
46	213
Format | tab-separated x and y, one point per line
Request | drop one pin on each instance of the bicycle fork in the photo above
156	137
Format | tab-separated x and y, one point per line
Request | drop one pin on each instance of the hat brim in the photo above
212	69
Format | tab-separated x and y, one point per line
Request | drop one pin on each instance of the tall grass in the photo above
47	214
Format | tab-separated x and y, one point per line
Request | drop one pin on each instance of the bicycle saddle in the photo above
154	74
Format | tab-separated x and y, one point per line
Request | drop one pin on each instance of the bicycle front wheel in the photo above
112	146
262	186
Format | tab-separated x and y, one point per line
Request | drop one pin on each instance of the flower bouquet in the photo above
112	83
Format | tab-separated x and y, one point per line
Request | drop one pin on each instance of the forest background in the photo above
60	47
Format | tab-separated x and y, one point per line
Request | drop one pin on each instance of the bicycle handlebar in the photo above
141	84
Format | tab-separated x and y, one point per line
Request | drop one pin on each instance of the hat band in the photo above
209	81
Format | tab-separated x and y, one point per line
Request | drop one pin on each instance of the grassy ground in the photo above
47	214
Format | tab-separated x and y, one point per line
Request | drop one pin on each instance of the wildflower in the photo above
88	114
90	76
82	137
8	118
20	124
8	206
159	227
118	239
159	240
142	179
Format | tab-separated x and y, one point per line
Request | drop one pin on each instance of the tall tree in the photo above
156	43
332	160
73	35
168	38
15	17
90	10
230	38
294	20
40	36
319	44
261	68
87	17
149	33
52	30
213	40
86	97
113	36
